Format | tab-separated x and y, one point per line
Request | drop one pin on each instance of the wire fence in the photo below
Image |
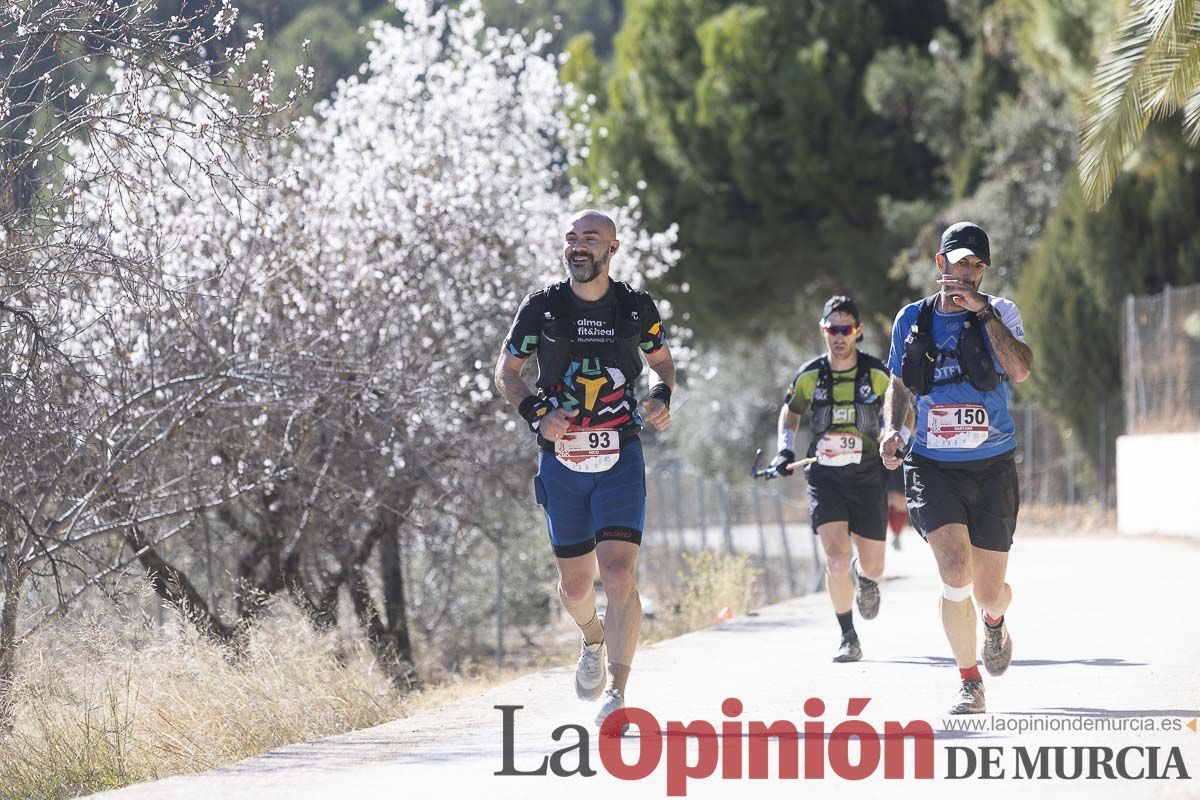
689	510
1056	466
1161	354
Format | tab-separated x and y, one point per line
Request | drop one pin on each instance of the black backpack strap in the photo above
554	349
925	315
556	300
821	406
628	303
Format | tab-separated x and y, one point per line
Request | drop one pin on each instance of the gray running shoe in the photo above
969	699
997	649
612	701
590	672
895	541
850	649
866	592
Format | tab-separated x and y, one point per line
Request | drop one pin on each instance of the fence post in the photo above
702	515
1046	462
499	599
1103	461
723	498
1029	455
768	582
1071	468
787	550
1164	400
1130	344
677	490
660	522
818	562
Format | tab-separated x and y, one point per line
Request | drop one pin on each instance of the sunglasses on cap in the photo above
841	330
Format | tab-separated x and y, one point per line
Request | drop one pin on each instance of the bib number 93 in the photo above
599	440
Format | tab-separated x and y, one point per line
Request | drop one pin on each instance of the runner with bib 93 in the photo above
590	335
847	503
956	353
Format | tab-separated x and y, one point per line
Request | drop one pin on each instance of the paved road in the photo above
1105	633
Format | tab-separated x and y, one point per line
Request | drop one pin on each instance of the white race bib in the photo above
956	426
839	449
588	451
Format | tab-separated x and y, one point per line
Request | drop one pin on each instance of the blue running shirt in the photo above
952	398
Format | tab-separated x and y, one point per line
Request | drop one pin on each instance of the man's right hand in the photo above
891	449
781	461
556	423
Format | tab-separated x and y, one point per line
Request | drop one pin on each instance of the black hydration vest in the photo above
921	355
866	401
557	344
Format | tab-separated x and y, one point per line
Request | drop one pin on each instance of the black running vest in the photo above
557	345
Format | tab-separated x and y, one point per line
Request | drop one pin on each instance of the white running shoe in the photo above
612	701
590	672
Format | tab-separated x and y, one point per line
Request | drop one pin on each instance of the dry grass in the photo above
103	705
707	584
100	707
1066	520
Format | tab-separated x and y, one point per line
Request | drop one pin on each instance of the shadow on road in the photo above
1101	713
946	661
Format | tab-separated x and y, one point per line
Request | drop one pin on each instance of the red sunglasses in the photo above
841	330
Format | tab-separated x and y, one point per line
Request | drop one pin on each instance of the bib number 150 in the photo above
970	416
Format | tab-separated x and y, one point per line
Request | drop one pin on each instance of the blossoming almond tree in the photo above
350	304
79	440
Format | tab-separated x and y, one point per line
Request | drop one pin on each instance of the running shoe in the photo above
997	648
866	592
896	541
612	701
969	699
590	672
850	649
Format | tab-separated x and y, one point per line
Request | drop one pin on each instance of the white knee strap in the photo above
957	594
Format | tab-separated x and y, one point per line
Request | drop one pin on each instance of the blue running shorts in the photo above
583	508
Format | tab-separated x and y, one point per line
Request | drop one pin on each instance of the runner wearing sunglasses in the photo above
843	389
958	352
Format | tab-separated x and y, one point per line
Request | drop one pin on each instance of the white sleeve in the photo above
1010	315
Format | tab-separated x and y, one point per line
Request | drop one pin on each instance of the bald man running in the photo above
590	334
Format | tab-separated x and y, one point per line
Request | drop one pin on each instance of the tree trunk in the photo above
173	586
11	576
391	565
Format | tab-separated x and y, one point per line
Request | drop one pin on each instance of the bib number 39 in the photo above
956	426
839	449
588	451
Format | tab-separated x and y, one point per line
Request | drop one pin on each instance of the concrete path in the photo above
1105	631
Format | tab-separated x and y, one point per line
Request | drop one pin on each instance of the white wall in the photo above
1158	483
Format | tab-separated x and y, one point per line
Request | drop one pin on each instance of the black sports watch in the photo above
988	312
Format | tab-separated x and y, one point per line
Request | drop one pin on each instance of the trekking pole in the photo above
769	473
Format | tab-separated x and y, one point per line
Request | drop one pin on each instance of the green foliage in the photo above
1150	70
335	49
1073	285
566	19
748	123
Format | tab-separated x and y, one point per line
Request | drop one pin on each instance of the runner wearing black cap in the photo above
957	352
843	390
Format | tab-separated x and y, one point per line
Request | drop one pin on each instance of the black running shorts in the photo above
862	503
983	495
895	480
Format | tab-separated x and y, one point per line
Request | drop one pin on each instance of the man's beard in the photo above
585	273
